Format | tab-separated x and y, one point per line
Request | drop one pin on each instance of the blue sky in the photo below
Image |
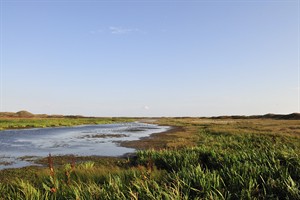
149	58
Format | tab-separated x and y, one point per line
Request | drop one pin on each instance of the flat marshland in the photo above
200	158
19	123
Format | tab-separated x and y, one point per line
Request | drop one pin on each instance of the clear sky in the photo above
150	58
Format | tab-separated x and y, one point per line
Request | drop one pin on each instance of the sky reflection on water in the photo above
87	140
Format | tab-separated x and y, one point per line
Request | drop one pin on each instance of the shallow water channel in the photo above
85	140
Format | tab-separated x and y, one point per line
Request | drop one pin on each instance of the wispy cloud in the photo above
120	30
146	107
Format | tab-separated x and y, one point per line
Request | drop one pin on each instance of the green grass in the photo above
17	123
207	159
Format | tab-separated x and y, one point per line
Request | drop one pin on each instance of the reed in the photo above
19	123
230	164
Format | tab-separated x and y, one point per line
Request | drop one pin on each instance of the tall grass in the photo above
17	123
233	164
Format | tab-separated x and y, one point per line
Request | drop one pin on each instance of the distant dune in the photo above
289	116
21	114
26	114
292	116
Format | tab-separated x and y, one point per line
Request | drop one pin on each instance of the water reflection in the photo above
100	140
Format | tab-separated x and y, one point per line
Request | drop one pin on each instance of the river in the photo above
85	140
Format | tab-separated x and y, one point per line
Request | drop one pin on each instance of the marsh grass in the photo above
206	159
18	123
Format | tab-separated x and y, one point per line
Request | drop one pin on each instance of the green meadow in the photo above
200	159
18	123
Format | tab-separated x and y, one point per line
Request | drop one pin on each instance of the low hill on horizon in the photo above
26	114
292	116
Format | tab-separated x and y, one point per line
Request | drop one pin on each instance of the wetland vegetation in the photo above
24	119
202	158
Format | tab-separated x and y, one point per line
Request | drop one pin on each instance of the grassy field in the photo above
17	123
200	159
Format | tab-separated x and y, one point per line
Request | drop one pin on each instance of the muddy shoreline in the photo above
154	141
137	136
